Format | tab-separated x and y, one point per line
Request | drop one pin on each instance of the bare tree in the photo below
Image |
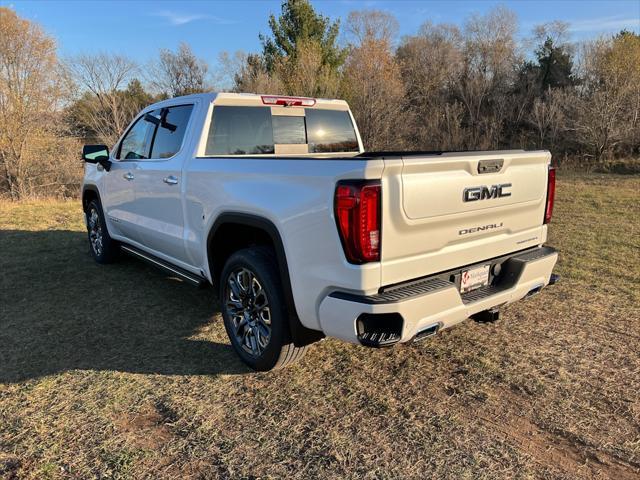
179	73
547	117
306	73
229	66
432	63
606	114
490	52
556	30
368	25
371	81
30	95
250	75
104	76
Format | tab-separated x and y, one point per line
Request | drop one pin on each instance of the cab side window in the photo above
240	131
137	142
330	131
172	126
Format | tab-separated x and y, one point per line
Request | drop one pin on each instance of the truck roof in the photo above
247	99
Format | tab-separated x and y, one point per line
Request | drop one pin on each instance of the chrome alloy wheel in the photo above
248	306
95	231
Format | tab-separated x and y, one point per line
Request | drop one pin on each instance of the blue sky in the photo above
139	28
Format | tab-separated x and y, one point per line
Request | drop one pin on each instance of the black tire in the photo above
102	247
276	351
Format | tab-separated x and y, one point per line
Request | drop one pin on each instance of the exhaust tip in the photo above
430	331
379	330
534	291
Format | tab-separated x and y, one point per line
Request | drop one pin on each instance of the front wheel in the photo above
254	311
103	248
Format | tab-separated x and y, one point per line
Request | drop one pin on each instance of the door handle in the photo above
170	180
128	176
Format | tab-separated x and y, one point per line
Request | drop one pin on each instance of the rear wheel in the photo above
254	310
103	248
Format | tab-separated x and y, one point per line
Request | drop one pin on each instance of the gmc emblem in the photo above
471	194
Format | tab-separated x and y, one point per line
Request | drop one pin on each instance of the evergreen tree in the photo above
554	66
300	24
136	94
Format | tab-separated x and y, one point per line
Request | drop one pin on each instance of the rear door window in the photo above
330	131
240	131
171	129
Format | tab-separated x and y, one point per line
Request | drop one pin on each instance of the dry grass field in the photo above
121	372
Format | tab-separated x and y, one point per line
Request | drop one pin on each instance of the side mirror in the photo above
97	154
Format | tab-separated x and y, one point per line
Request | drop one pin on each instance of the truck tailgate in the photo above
445	211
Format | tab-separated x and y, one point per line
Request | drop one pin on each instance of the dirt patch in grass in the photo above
121	372
549	448
147	429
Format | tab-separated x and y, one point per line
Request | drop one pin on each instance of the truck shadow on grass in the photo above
61	311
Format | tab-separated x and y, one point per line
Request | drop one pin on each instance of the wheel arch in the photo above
263	229
89	192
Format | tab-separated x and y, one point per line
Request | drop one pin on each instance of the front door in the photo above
158	185
118	194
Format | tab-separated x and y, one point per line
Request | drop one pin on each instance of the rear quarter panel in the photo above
296	196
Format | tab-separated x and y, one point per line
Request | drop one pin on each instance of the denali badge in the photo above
471	194
464	231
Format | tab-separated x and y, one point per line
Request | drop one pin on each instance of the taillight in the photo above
357	211
551	194
288	101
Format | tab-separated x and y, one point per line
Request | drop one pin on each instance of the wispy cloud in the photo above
616	22
176	18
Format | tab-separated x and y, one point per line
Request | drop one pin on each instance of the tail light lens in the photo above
357	212
551	194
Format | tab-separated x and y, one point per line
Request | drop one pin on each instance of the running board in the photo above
188	277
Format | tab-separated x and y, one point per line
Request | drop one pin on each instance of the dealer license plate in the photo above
474	278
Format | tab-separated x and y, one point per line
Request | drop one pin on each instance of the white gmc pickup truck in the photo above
273	200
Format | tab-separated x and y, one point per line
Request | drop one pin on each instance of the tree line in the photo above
447	87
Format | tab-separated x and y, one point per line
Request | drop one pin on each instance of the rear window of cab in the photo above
255	131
